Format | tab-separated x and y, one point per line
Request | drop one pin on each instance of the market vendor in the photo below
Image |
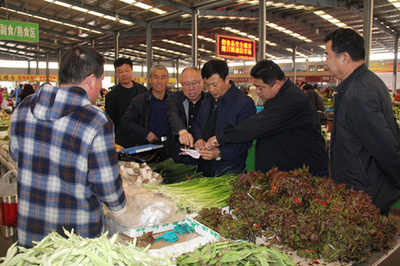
287	130
64	148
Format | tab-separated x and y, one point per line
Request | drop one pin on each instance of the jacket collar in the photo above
230	95
150	94
184	98
343	85
281	91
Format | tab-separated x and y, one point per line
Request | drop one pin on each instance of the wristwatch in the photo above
219	156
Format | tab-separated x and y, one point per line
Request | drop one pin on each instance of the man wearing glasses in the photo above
224	104
182	108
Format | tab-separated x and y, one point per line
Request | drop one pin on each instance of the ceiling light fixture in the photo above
94	13
201	37
128	1
144	6
331	19
247	35
396	3
287	31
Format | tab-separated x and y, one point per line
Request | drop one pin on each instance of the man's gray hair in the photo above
161	67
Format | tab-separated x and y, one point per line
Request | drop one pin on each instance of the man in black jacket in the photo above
365	141
182	109
120	97
146	118
287	131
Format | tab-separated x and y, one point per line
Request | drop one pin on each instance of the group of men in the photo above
150	116
193	116
64	145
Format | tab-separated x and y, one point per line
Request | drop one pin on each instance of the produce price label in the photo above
19	31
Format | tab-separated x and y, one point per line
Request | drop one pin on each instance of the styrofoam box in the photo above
205	236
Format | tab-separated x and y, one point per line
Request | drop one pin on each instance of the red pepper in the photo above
325	203
297	200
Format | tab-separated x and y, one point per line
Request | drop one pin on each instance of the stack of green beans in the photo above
234	253
54	249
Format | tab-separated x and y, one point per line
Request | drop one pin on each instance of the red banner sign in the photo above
235	47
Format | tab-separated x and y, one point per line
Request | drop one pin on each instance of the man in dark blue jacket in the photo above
225	104
365	142
146	118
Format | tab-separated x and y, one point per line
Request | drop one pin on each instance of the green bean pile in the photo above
54	249
234	253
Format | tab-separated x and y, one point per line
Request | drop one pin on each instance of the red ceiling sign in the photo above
235	47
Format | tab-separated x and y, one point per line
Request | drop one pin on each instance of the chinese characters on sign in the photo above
29	78
242	79
329	79
144	80
19	31
235	47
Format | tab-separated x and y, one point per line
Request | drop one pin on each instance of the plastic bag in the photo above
8	184
145	209
156	213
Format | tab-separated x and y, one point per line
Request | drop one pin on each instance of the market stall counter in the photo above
157	208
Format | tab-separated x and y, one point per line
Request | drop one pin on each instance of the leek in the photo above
196	194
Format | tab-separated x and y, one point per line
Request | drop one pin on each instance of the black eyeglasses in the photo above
193	83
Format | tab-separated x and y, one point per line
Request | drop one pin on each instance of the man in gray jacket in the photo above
365	142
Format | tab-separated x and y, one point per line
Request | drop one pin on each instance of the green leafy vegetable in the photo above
309	214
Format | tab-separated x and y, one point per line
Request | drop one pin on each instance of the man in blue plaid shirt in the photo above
64	149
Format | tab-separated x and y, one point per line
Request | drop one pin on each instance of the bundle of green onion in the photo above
196	194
